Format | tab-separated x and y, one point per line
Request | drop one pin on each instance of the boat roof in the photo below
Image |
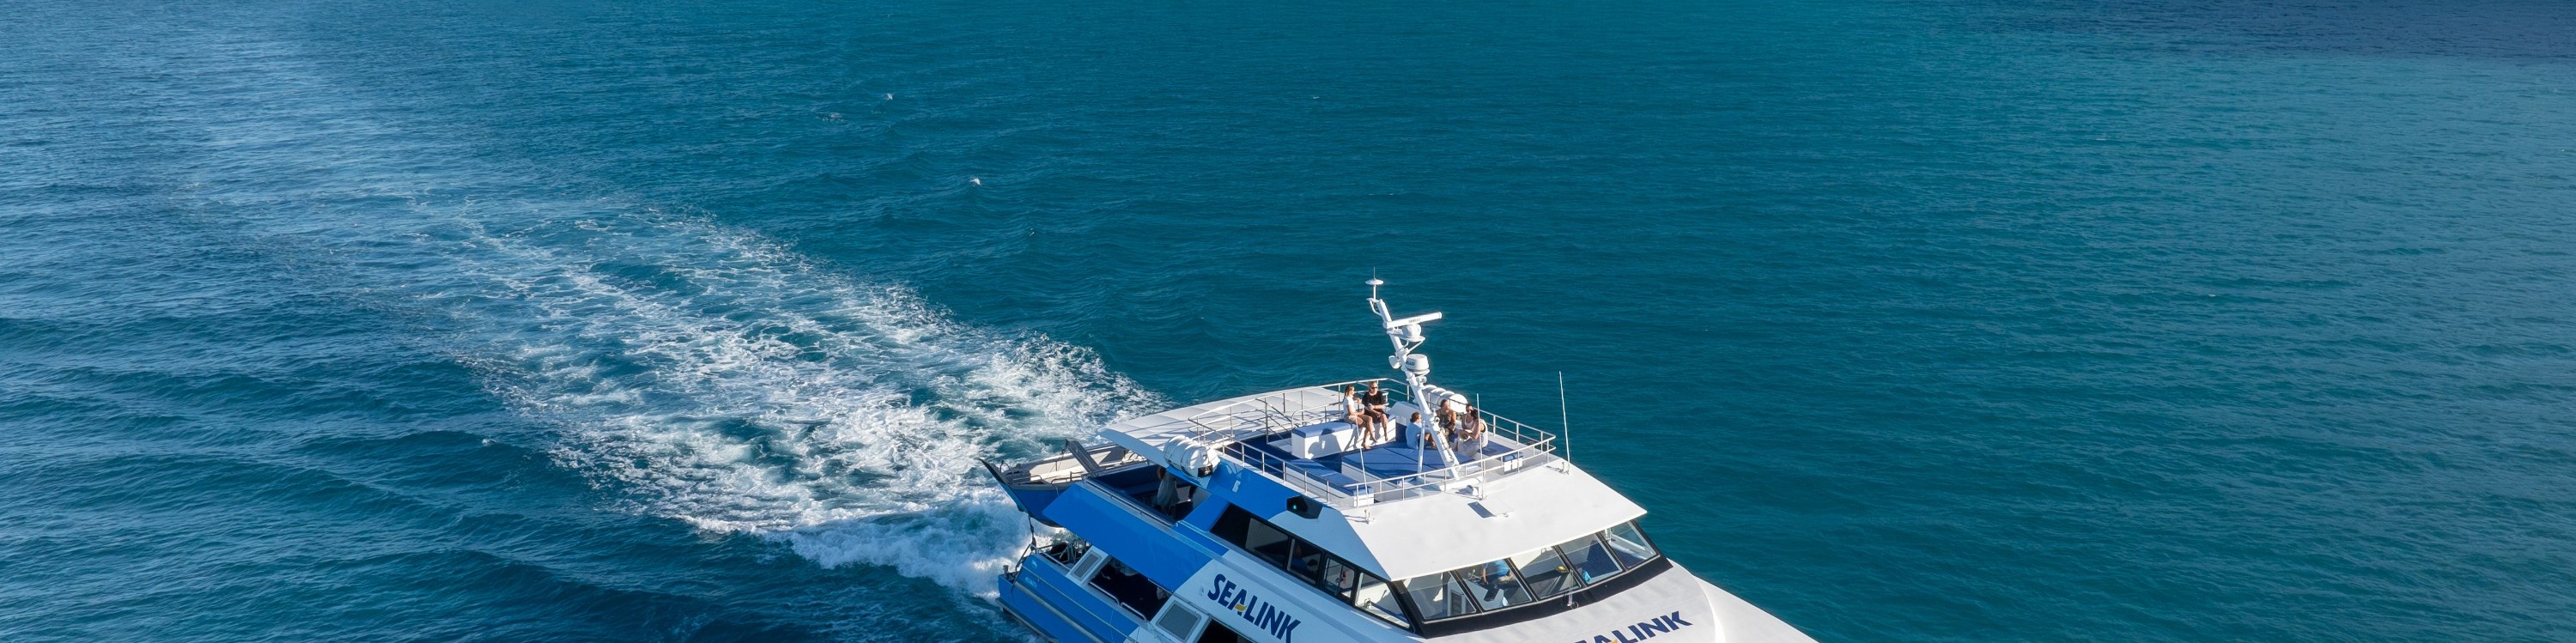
1155	436
1398	514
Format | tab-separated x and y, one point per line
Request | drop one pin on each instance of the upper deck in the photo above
1390	508
1438	484
1410	515
1298	437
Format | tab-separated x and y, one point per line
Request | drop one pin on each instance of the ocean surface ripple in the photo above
1910	320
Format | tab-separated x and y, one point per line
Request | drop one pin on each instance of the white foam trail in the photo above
734	385
715	375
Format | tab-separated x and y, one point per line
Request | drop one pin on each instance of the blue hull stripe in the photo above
1045	619
1122	529
1089	611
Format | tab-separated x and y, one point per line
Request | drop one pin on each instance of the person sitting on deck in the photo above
1471	433
1352	412
1375	428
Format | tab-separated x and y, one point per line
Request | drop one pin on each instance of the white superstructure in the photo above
1324	513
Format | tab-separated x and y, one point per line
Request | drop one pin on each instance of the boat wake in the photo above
725	381
701	371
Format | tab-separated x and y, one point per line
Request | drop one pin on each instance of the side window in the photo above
1217	633
1545	572
1439	596
1495	584
1232	524
1589	559
1378	599
1129	588
1067	551
1337	577
1310	563
1532	576
1267	542
1629	546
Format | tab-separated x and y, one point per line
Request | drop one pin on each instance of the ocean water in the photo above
1937	320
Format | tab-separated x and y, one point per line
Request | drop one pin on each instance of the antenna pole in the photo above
1405	335
1564	422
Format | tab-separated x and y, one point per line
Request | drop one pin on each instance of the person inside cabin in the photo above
1174	497
1495	578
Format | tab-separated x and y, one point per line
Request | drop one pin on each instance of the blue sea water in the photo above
1909	320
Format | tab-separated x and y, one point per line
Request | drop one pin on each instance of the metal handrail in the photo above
1231	427
1395	488
1471	472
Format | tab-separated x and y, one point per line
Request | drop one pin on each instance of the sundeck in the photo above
1323	513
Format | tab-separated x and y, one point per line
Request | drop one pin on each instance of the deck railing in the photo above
1234	426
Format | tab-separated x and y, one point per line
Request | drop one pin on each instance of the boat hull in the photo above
1672	606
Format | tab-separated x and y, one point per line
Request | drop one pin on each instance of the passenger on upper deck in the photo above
1470	435
1352	412
1375	430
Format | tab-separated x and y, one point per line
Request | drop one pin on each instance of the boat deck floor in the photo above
1393	459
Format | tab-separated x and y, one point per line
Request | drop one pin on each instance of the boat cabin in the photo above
1372	510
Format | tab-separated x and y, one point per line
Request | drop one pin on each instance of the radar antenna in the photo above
1406	335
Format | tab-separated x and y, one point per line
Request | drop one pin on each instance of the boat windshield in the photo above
1531	576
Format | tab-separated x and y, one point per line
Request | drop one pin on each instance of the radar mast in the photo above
1406	335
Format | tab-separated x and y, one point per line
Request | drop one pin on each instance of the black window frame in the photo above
1235	526
1212	628
1585	593
1162	595
1642	536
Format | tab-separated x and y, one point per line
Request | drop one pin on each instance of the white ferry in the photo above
1327	513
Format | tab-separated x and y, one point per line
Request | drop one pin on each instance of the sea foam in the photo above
699	371
721	379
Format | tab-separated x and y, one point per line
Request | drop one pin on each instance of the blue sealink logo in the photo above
1642	631
1261	614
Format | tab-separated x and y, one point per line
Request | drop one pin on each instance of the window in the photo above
1378	599
1308	565
1532	576
1545	572
1129	588
1590	560
1495	585
1629	546
1337	577
1217	633
1067	551
1232	524
1328	573
1268	542
1438	596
